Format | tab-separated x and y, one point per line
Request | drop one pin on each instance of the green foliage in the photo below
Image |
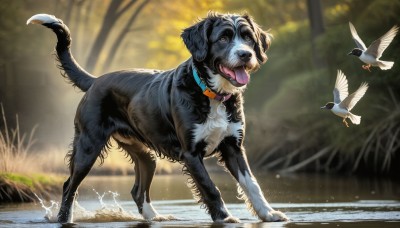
303	137
15	187
164	43
19	178
32	180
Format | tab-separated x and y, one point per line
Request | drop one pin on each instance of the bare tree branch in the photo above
126	7
111	17
122	35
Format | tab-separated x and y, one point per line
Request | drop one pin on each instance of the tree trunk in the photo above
317	28
111	17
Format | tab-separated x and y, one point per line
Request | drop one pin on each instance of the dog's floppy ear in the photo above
263	40
196	39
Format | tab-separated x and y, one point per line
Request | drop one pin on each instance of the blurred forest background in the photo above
286	130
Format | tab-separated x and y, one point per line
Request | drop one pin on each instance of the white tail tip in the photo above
42	18
355	119
385	65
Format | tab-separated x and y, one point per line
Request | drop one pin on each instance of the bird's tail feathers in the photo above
355	119
385	65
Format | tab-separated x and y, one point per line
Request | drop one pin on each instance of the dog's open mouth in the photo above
238	75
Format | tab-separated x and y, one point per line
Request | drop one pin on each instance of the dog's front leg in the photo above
206	190
235	161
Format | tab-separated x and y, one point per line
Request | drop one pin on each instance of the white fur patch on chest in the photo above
216	127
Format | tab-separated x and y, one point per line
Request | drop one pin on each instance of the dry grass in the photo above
383	141
15	157
15	147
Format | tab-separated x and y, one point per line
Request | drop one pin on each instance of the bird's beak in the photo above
350	53
323	107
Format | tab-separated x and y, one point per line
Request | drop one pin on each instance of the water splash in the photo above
114	196
106	212
100	197
51	211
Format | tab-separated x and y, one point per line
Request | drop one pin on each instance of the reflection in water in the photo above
303	188
307	199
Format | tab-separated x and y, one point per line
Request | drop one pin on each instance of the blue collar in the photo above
207	91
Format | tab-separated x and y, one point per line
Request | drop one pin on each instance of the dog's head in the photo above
230	47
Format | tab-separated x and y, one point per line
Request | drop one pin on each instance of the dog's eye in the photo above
223	39
248	38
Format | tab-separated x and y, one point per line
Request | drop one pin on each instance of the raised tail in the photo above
355	119
385	65
75	73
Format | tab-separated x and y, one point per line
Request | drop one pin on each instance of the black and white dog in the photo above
185	114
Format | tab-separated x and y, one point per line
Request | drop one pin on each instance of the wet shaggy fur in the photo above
165	113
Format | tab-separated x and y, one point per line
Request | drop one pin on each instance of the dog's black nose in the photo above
244	55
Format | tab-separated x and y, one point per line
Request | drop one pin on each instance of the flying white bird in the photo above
343	103
371	55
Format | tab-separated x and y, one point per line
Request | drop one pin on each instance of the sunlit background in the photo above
286	130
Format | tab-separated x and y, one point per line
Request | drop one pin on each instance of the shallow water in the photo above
312	200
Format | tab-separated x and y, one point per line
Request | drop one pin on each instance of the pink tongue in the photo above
241	75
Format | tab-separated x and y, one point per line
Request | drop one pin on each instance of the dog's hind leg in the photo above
234	158
145	166
84	154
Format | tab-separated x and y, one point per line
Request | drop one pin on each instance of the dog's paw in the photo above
160	218
274	216
229	219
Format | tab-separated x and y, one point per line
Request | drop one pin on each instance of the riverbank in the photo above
311	200
15	187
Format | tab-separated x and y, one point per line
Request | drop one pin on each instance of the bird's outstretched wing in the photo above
350	101
378	46
341	90
360	44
